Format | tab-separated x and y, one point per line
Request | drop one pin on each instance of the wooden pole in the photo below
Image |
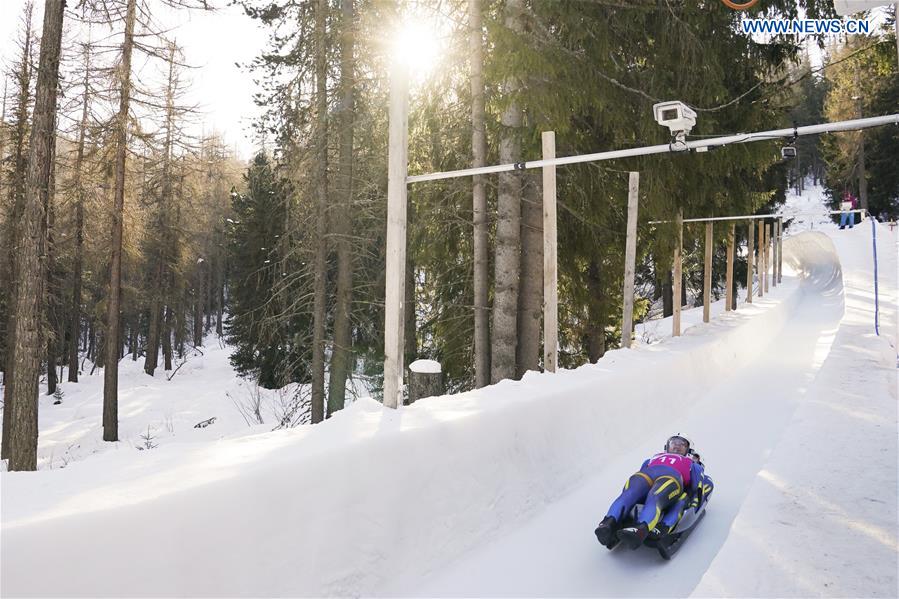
729	296
394	295
760	258
630	258
774	253
780	249
550	258
767	253
678	273
750	234
707	276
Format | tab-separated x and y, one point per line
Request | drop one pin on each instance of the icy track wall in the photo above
373	496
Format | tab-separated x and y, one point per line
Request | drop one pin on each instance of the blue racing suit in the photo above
659	484
674	513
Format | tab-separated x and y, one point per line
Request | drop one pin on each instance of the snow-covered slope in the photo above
496	491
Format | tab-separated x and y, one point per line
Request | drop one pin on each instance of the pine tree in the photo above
263	340
874	62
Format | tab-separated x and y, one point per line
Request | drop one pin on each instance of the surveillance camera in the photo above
677	116
788	152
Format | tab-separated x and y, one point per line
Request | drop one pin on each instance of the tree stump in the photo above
425	380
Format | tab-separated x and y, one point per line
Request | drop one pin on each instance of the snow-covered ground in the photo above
791	400
201	400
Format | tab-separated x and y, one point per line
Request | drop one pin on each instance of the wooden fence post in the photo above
774	253
678	273
707	275
767	253
749	261
760	258
780	249
729	297
630	257
550	259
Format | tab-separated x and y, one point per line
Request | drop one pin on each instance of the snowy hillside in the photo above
791	400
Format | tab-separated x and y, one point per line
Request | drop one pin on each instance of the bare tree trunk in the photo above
17	201
5	284
508	232
667	294
167	339
100	357
410	326
479	197
75	311
596	329
321	183
111	370
220	303
91	340
342	353
134	341
29	291
530	297
121	339
207	295
51	296
151	357
180	317
199	296
2	130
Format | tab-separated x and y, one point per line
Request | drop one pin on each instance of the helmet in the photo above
676	443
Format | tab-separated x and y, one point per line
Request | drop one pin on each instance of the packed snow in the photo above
791	400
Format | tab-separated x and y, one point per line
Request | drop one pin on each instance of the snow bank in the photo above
372	495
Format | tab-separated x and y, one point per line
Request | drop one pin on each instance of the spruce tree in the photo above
262	336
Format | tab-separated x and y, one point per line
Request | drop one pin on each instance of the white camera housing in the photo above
677	116
788	152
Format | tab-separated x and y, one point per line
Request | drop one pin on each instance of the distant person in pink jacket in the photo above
849	203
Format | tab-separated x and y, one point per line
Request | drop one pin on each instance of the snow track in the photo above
736	425
494	492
